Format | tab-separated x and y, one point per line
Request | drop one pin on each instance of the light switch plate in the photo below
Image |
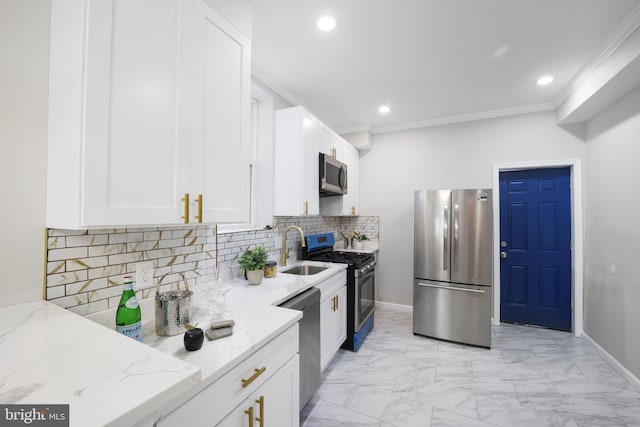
144	275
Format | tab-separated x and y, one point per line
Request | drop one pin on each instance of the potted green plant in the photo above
252	262
361	239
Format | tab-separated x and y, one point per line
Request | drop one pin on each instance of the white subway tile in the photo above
111	270
107	250
151	235
125	238
86	286
56	267
104	293
87	263
64	278
183	250
55	292
68	253
170	243
89	240
125	258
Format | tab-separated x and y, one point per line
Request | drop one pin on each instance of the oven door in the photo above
365	297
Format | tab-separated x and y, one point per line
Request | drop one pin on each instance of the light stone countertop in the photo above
51	355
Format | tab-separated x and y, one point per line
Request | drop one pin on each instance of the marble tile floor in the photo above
530	377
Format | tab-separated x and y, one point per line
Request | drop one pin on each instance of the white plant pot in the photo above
255	276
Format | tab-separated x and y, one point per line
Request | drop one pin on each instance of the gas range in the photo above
360	284
362	262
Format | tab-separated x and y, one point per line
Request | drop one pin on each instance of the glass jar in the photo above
271	269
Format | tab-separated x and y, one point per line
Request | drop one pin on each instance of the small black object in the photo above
193	339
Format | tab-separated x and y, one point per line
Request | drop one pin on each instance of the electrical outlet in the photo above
144	274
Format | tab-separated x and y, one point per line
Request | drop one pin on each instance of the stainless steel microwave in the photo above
333	176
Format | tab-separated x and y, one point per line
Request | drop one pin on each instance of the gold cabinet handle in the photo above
185	199
249	412
255	375
353	210
337	302
306	208
334	152
199	202
261	418
333	304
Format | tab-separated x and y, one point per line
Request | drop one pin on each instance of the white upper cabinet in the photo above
220	154
298	138
132	128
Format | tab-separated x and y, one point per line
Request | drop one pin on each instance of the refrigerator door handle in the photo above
453	288
456	234
445	226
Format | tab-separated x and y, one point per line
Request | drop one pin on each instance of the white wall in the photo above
24	47
612	223
453	156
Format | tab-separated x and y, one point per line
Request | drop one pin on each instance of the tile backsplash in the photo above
85	268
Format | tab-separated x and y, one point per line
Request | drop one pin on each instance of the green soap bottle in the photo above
128	316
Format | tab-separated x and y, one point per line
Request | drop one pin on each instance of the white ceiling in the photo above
431	61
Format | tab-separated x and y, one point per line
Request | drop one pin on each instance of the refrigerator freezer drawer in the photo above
453	312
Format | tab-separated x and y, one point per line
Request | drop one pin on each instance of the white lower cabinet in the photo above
333	317
271	404
265	386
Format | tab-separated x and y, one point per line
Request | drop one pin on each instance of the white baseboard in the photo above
392	306
627	374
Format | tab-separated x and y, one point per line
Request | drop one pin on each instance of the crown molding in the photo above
260	74
628	27
492	114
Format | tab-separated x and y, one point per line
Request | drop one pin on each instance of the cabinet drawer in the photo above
217	400
330	286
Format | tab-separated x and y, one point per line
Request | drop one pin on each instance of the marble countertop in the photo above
53	356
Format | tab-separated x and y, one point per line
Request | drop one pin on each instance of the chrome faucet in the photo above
285	254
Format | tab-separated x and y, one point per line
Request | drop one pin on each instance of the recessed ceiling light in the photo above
326	23
544	80
384	109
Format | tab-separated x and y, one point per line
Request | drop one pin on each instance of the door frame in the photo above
577	233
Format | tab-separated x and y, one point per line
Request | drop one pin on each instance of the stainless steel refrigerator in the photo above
452	264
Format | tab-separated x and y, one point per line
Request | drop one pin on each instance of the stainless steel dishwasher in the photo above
309	329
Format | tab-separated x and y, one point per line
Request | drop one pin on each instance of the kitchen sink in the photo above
304	270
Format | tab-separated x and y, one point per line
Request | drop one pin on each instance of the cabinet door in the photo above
275	403
351	200
296	163
313	136
333	325
220	156
136	112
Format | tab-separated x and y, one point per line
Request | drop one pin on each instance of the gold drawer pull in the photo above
185	199
249	412
256	374
199	202
261	419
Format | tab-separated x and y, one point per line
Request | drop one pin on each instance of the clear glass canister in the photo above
271	269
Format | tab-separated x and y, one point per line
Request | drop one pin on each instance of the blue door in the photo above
535	247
